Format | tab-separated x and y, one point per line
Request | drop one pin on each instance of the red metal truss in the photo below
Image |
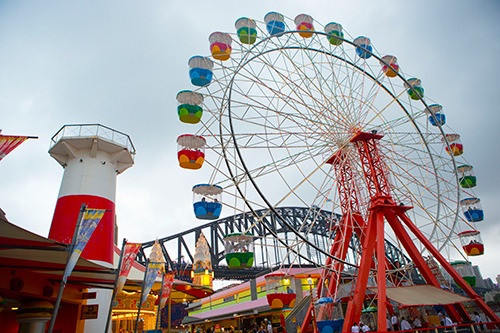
371	236
384	208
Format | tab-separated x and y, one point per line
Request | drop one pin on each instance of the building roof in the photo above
22	249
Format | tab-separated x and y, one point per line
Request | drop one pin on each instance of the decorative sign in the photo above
229	299
89	295
90	311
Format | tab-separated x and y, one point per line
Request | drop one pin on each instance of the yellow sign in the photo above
90	311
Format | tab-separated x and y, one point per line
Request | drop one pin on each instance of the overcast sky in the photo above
121	64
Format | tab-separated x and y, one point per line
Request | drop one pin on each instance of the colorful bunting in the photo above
8	143
129	254
90	220
168	282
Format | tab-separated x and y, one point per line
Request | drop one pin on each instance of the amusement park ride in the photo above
319	118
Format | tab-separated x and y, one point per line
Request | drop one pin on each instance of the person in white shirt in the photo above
364	327
405	325
355	328
394	322
478	320
389	325
417	323
269	327
448	322
441	318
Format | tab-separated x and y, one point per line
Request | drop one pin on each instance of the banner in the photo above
168	282
8	143
151	274
90	220
129	254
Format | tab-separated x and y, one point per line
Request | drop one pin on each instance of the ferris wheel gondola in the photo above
238	249
207	201
279	290
472	242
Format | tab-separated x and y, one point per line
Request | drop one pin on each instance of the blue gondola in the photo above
207	201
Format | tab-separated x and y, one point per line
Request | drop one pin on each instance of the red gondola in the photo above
279	290
191	151
471	242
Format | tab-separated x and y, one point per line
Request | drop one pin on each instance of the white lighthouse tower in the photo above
92	156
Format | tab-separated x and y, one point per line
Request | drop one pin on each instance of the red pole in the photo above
381	292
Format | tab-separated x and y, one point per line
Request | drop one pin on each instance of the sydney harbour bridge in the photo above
179	249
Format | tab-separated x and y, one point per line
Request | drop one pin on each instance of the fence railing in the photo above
93	130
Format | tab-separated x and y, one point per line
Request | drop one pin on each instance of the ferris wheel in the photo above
275	101
292	113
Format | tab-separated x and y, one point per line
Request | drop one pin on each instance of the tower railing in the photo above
93	130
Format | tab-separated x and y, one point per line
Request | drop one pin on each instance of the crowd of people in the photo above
406	323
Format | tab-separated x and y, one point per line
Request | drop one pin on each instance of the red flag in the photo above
168	282
10	142
129	254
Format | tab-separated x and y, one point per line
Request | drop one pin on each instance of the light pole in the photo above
313	310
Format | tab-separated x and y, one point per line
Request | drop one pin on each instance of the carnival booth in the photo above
207	201
200	71
471	242
191	151
417	92
275	23
246	29
220	45
279	290
364	47
467	178
334	30
188	107
304	24
456	147
472	209
436	116
239	250
390	65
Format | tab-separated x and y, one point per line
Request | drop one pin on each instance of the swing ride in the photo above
296	113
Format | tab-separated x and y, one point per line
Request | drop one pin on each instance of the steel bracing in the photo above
179	249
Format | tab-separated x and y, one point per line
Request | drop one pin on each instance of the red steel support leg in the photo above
381	293
339	250
355	305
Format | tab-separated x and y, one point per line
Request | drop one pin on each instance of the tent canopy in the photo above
423	295
22	249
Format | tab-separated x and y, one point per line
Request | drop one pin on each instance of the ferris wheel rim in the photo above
245	60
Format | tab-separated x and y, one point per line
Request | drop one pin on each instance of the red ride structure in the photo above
382	208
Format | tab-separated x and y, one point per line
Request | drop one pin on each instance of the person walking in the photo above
364	327
355	328
441	318
479	322
395	322
417	323
405	325
389	324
